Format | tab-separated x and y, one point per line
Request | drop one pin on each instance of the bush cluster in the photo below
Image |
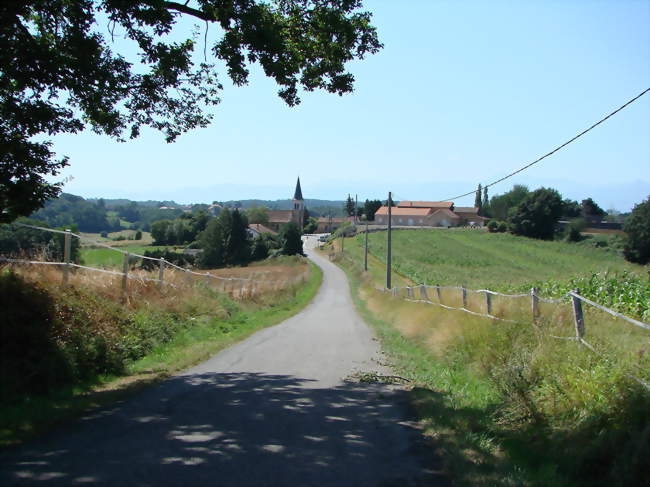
496	226
52	338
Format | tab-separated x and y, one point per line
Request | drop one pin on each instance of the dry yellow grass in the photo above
256	283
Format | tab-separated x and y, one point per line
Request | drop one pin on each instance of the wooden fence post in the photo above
125	271
394	291
534	304
365	253
578	316
161	271
409	292
423	292
488	302
438	293
67	247
464	292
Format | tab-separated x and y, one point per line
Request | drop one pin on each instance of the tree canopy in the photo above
500	205
62	72
350	206
637	227
537	215
291	239
370	207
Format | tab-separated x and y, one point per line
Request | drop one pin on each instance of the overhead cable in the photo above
554	150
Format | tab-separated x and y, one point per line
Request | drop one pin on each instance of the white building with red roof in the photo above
429	214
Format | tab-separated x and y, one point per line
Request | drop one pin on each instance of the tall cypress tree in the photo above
485	207
477	200
349	206
238	244
211	240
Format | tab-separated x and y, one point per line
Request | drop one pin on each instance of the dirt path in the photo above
273	410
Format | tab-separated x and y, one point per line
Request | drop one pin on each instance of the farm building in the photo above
429	214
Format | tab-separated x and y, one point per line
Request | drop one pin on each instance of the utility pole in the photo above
365	258
388	253
356	209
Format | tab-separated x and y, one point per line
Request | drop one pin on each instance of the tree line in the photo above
536	214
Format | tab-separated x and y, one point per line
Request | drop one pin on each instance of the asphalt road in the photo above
273	410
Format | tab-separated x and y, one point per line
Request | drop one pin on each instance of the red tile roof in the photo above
447	213
259	228
426	204
466	209
280	216
403	211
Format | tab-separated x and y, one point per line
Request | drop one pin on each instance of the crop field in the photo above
496	261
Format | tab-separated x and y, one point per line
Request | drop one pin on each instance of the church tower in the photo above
298	212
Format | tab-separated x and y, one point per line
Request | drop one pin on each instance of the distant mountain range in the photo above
315	206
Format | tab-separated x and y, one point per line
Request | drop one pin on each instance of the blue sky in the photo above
461	94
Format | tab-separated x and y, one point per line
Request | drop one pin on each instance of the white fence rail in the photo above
163	264
572	297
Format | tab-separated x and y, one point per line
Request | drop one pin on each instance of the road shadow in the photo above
235	429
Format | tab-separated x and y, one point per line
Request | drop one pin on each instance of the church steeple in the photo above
298	213
298	194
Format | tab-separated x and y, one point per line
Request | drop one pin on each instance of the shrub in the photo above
573	229
502	227
537	215
492	226
291	239
260	249
637	227
138	235
29	358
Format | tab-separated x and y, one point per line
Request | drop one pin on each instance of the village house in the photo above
429	214
256	229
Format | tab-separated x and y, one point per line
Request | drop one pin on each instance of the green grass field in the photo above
479	259
102	257
146	239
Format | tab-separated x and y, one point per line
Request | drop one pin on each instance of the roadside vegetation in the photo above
505	403
67	348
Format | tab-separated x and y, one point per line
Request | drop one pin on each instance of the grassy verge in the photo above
142	344
503	404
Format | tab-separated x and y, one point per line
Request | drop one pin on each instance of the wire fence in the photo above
235	286
424	294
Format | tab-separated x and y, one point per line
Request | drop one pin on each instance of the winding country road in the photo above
273	410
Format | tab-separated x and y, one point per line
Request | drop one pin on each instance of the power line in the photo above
556	149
